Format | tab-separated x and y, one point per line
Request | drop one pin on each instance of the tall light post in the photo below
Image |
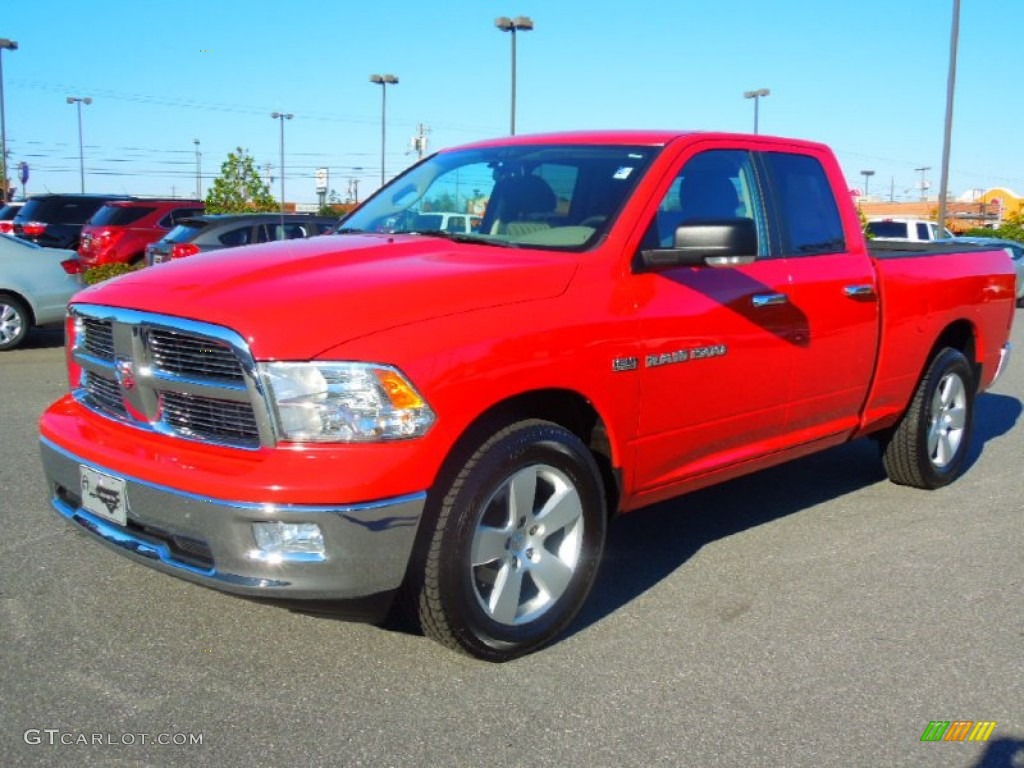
948	132
756	96
5	45
78	102
282	116
867	177
518	24
199	172
383	81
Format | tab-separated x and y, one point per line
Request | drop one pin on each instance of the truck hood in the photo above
295	299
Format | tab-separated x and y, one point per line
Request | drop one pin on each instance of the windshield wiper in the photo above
349	231
462	237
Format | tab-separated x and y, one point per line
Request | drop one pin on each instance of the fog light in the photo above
278	542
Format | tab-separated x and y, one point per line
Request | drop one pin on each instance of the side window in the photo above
924	232
239	236
715	185
808	214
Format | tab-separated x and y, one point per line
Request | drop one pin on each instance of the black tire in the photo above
497	580
928	447
15	320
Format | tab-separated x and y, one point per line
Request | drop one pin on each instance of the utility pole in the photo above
419	141
924	193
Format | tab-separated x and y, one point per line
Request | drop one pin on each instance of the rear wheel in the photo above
14	322
517	543
928	448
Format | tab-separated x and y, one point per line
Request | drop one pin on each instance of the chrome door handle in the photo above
859	291
768	300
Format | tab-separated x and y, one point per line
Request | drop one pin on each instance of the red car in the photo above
121	230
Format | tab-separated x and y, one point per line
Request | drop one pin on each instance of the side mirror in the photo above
706	242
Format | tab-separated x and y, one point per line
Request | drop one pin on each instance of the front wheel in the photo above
14	322
928	448
517	543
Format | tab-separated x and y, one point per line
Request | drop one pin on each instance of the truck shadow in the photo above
44	338
643	548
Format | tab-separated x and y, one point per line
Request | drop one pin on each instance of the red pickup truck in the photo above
455	416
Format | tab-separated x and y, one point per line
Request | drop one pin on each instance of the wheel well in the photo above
959	336
24	302
566	408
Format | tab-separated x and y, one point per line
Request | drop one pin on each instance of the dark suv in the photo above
228	230
121	229
56	221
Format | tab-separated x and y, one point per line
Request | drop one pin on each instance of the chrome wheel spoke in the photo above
522	495
505	597
489	544
551	574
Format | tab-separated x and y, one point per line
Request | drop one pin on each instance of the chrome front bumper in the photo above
209	541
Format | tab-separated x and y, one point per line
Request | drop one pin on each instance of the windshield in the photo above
562	196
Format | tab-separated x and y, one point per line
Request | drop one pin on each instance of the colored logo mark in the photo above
958	730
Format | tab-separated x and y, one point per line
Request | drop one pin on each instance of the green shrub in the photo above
103	272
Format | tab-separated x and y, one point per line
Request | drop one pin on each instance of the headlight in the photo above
344	402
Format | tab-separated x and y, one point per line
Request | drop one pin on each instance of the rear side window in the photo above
60	210
888	229
239	236
184	233
119	215
809	216
923	232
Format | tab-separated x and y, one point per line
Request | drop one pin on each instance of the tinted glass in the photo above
186	232
241	235
922	231
60	210
888	229
119	215
8	212
718	185
809	215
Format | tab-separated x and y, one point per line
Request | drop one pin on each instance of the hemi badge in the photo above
624	364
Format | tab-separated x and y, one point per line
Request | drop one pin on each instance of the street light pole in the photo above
282	116
867	177
199	172
78	102
521	24
5	45
383	81
756	96
948	132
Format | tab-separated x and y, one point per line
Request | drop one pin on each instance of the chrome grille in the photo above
171	376
190	355
104	395
210	419
99	338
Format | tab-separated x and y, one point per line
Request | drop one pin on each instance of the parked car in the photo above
444	221
229	230
886	228
121	229
36	284
451	419
56	221
1015	251
7	214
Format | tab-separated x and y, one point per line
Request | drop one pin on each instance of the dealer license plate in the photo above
104	495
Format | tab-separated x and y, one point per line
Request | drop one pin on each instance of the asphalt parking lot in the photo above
810	615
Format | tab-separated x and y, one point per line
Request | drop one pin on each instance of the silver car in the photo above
36	284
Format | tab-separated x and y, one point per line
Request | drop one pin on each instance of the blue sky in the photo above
867	78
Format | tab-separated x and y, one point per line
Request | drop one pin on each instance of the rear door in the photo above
833	287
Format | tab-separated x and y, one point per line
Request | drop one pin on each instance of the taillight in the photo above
33	228
6	227
181	250
73	266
